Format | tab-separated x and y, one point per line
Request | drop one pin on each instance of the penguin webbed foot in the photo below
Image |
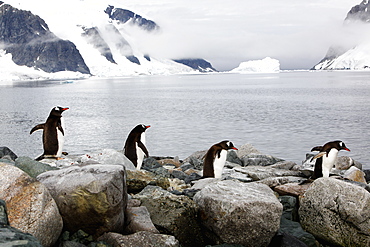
307	181
41	157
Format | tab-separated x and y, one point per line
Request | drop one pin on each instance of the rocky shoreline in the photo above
99	200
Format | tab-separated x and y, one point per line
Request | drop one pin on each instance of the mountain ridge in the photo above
100	47
357	57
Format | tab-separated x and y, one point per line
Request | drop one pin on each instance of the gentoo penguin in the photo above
215	158
53	135
134	148
326	158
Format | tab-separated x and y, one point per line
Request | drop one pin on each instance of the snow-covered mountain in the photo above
357	57
64	39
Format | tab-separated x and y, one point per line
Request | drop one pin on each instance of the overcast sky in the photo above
297	33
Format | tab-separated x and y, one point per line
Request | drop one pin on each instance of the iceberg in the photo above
266	65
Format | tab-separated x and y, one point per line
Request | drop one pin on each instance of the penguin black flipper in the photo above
219	153
317	172
60	127
209	157
142	146
319	155
37	127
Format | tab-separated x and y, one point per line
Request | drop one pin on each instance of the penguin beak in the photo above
234	148
347	149
64	109
148	126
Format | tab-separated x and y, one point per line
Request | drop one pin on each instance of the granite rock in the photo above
336	212
91	198
142	239
32	167
138	219
172	214
239	213
30	207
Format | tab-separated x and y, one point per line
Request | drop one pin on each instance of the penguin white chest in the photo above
60	137
328	161
139	152
219	163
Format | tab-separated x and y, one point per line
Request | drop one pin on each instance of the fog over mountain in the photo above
353	50
119	38
80	38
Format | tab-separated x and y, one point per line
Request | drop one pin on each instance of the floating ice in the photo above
266	65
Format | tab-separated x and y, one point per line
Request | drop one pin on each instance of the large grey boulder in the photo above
104	157
276	181
32	167
108	157
259	160
138	180
142	239
262	172
10	236
239	213
172	214
91	198
247	149
345	162
138	219
31	208
337	212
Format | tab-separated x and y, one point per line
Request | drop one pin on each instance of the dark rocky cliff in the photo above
197	64
93	37
360	12
29	40
124	15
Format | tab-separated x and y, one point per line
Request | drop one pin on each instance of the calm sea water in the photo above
283	114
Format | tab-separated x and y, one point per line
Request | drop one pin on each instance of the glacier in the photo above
67	20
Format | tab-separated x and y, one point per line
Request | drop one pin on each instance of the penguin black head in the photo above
57	111
340	145
141	128
227	145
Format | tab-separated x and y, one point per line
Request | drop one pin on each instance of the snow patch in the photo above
266	65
